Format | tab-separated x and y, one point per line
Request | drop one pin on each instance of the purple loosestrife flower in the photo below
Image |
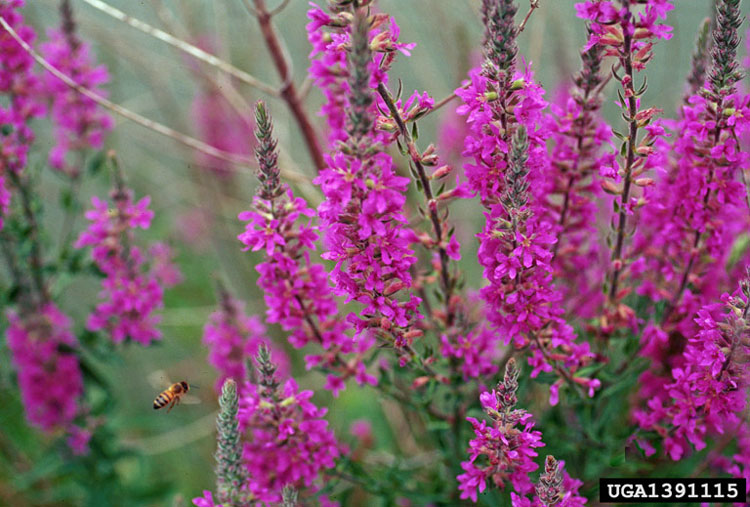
629	37
516	242
366	231
476	350
709	388
296	288
288	441
697	210
700	61
497	98
571	184
42	348
131	293
502	451
331	69
78	121
207	500
699	207
521	301
19	89
233	337
555	488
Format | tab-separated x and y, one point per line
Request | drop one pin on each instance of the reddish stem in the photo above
632	139
288	90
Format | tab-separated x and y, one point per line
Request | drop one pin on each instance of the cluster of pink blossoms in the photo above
79	122
20	89
364	197
49	375
689	226
476	351
503	451
611	19
296	289
131	293
232	337
516	243
288	441
555	487
708	390
628	36
691	222
571	186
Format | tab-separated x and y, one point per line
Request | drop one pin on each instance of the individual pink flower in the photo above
206	500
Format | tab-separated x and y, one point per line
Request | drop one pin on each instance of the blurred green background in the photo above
155	80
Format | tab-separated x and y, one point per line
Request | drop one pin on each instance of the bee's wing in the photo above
190	400
158	379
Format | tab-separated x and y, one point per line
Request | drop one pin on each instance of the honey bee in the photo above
171	396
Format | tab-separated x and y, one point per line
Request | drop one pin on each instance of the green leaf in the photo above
96	163
618	459
438	425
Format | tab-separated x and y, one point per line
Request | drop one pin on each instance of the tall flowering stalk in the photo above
700	61
497	99
506	143
697	210
443	242
296	289
79	123
695	206
19	87
43	350
231	475
364	197
288	441
131	292
629	37
578	134
503	451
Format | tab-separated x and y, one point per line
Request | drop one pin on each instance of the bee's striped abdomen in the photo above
163	400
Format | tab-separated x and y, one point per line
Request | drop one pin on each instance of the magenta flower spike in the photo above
79	122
